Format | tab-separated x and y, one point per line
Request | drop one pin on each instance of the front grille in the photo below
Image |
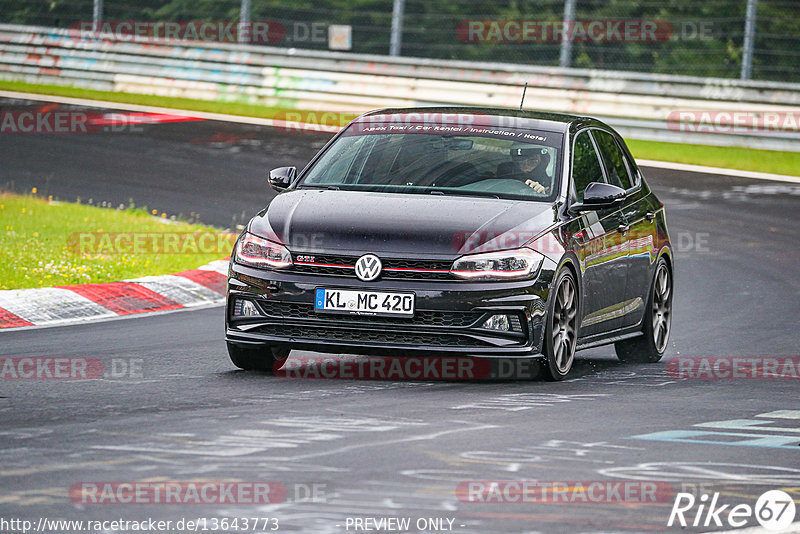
416	275
393	269
292	310
317	269
417	264
371	336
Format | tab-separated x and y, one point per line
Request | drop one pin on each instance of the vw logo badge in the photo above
368	267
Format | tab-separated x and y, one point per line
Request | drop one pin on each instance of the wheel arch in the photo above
568	262
666	254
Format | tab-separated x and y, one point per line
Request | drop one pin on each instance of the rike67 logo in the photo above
774	510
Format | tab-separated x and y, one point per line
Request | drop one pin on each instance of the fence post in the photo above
244	22
97	15
749	39
566	37
397	28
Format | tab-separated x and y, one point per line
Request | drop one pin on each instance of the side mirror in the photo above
281	178
599	195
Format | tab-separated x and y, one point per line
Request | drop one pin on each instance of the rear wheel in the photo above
650	347
263	358
561	332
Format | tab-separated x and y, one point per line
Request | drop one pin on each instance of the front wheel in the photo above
650	347
561	332
264	358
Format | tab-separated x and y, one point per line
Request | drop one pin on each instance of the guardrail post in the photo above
97	15
749	39
566	37
397	28
244	22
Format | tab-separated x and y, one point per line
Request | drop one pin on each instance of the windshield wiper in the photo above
465	194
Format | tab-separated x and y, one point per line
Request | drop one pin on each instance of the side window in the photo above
613	158
585	165
633	170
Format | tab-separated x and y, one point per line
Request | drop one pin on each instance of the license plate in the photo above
373	303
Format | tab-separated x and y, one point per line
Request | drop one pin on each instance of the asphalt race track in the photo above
174	409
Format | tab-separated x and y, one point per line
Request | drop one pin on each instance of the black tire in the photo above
657	322
561	328
257	359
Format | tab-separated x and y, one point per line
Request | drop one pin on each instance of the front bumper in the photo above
448	315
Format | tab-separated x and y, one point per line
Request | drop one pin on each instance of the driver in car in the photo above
529	165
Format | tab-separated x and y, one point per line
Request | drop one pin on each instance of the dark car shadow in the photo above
460	369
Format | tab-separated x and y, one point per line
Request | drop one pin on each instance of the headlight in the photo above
257	252
507	264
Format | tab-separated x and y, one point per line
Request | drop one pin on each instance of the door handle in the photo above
650	215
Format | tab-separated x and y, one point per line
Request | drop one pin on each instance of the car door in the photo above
639	216
601	247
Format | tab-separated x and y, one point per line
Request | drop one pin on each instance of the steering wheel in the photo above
526	189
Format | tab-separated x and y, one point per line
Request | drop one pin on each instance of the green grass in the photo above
717	156
48	243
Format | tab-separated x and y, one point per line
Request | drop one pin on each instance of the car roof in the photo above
534	120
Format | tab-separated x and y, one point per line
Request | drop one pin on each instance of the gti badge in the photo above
368	267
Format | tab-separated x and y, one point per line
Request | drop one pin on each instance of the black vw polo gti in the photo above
485	232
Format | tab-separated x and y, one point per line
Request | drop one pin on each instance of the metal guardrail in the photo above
641	106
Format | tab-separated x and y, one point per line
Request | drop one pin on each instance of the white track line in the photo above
325	128
718	170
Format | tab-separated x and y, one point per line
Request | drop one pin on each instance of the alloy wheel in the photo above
563	327
662	308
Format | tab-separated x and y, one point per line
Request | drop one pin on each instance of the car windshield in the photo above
471	161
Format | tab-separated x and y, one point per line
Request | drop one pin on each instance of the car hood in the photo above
358	222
